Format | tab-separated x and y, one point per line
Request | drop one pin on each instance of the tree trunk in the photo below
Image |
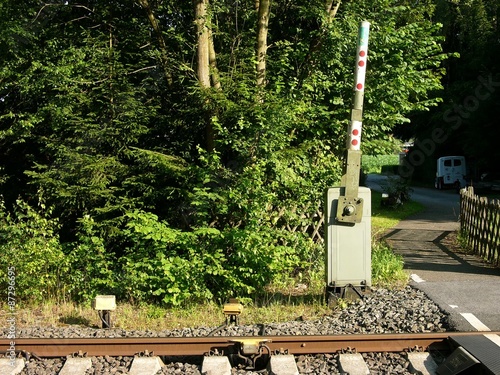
163	46
203	68
262	26
331	8
214	72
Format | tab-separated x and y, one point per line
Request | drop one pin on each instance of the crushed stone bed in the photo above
383	311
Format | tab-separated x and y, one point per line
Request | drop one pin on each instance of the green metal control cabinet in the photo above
348	245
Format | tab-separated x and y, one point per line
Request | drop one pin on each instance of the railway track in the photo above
244	346
45	347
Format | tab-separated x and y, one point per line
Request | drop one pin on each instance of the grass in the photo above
277	303
151	317
384	218
387	267
374	164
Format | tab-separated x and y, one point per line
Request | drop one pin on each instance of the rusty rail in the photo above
129	346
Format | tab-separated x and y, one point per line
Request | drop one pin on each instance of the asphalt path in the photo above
463	285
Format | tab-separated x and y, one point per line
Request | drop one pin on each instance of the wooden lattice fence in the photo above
480	224
307	219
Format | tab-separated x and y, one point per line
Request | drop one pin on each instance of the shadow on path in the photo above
425	252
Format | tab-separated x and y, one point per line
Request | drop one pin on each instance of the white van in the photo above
451	171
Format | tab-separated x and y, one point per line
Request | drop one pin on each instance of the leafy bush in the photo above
232	237
92	267
374	163
398	191
232	242
174	267
29	242
387	267
166	264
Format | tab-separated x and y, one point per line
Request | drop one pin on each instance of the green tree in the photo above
467	117
197	121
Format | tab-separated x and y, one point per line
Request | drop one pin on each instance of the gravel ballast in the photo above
383	311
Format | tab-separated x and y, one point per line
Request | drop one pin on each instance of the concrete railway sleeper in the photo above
376	363
457	353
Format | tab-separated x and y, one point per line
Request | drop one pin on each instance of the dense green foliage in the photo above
375	163
161	188
387	267
466	122
30	247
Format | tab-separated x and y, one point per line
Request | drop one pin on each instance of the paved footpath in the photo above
462	285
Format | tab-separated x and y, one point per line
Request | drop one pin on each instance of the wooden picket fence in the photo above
480	225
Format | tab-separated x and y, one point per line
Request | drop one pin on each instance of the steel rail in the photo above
129	346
